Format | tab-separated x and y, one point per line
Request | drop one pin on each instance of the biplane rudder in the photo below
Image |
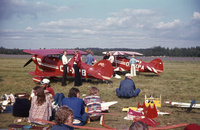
157	64
105	68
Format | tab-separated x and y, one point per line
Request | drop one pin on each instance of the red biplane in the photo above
49	61
121	63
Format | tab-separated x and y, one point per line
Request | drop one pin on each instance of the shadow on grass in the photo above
1	78
70	80
147	74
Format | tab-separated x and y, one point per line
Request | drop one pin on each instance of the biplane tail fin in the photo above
156	66
102	70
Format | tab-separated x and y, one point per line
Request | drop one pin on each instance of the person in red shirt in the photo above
45	83
77	64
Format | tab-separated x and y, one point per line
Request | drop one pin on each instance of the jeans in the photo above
58	98
85	117
135	93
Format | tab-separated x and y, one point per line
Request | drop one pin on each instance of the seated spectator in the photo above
138	125
64	119
93	103
45	83
127	88
41	106
77	105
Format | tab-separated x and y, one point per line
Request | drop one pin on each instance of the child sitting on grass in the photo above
93	104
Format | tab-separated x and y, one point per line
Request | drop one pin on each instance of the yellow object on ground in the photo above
133	108
151	101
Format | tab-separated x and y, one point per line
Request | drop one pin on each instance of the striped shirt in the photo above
93	104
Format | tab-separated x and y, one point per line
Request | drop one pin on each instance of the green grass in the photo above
178	82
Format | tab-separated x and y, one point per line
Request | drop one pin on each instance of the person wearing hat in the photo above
133	65
45	84
127	88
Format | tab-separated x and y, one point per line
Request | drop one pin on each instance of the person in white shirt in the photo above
111	58
133	63
65	62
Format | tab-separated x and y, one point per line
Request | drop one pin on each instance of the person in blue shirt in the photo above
77	105
89	57
127	88
132	64
64	118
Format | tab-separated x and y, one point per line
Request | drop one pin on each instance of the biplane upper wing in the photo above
123	53
50	51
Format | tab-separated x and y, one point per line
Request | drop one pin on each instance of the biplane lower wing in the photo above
39	73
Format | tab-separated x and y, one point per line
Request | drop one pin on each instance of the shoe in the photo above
12	98
5	103
19	120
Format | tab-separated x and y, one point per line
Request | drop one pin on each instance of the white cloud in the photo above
126	28
21	8
169	25
87	31
62	8
196	16
28	28
15	37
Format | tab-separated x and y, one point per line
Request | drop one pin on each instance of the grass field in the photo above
180	81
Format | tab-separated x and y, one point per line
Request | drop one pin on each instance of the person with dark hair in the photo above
106	56
138	125
127	88
64	119
65	62
77	63
41	106
77	105
93	103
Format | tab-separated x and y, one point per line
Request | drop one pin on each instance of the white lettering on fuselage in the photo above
83	71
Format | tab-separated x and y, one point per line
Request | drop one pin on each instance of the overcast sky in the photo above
34	24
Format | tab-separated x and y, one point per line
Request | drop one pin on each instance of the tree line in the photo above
154	51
